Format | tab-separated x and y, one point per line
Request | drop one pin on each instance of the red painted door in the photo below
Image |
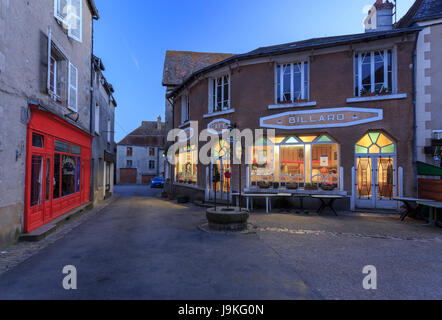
37	188
48	185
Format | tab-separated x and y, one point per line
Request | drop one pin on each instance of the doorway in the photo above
376	174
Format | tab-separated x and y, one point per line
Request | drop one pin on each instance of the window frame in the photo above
213	93
152	167
185	108
357	73
97	119
305	94
129	153
65	18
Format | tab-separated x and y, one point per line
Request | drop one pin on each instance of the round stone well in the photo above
227	218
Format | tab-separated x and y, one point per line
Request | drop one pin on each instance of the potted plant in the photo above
292	186
385	91
310	186
300	100
276	185
164	194
171	197
285	102
263	185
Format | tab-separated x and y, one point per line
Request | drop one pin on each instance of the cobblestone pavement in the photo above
142	247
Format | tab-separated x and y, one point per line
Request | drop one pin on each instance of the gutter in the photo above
92	93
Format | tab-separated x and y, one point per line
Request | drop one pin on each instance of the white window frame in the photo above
292	76
70	16
109	129
392	86
213	94
97	118
73	86
54	84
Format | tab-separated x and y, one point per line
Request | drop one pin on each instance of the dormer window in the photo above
292	82
219	93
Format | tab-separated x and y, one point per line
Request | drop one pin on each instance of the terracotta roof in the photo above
421	10
178	65
146	135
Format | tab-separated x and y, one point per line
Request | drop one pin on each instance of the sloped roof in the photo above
421	10
178	65
310	44
146	135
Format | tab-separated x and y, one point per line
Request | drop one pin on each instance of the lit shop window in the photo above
375	143
373	73
296	160
186	165
292	82
67	169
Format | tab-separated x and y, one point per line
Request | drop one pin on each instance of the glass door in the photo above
375	182
48	191
218	181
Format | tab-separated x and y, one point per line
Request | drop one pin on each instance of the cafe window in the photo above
292	82
186	160
297	161
373	73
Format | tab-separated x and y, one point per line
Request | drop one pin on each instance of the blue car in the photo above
157	182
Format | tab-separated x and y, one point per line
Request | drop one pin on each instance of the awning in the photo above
425	169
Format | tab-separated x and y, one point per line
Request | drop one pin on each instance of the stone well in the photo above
227	218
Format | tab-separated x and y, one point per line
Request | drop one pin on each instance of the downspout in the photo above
415	114
91	129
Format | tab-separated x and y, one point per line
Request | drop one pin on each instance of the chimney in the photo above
380	17
159	123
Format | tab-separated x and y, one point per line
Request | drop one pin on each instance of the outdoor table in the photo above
432	216
301	197
327	200
267	196
409	208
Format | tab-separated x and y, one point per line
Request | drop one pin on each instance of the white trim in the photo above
214	114
184	124
332	125
293	105
377	98
70	85
77	15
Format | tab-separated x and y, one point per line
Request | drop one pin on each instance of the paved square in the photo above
143	247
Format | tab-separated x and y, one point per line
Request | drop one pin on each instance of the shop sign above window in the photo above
322	118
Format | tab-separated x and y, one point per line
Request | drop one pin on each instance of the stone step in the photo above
45	230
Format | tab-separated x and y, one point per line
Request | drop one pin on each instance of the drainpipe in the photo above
91	129
415	113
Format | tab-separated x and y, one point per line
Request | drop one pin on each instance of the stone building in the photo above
45	102
140	154
341	109
427	14
103	144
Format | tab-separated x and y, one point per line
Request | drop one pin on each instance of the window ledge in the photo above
377	98
218	113
293	105
184	124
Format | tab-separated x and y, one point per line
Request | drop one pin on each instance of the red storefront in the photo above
57	168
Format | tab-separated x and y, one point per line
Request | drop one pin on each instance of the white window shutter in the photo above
73	88
75	17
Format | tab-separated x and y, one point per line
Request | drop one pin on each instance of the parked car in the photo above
157	182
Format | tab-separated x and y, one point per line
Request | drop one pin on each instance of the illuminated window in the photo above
186	160
375	143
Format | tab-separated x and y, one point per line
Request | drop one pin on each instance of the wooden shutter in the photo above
75	20
48	84
73	88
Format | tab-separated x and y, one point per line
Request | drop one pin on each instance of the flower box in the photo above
292	186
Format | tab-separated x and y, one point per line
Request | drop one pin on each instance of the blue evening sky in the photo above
132	37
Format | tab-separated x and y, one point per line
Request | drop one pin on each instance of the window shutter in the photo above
73	87
75	19
48	85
